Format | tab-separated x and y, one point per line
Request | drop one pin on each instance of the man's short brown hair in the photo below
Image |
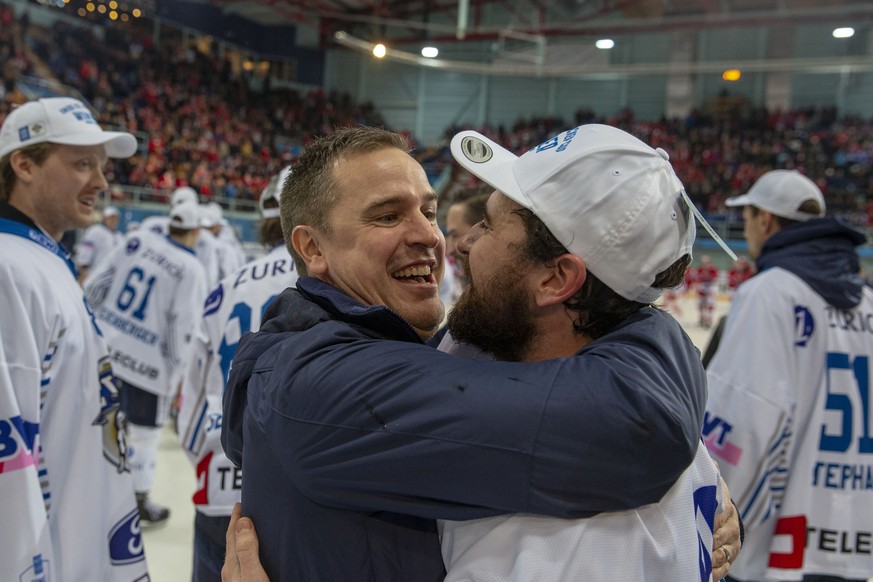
312	194
37	152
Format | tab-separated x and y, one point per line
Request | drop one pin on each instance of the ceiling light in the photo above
379	51
605	43
844	32
430	52
731	75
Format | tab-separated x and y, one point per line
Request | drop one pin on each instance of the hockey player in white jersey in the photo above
66	495
789	414
97	242
148	297
233	308
228	252
206	249
158	222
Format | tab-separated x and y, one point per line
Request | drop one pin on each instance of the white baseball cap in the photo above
186	216
609	198
183	194
110	211
782	192
64	121
273	191
212	214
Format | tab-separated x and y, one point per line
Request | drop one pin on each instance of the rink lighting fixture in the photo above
731	75
430	52
379	51
847	32
605	43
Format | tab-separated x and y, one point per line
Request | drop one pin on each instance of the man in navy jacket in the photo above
354	436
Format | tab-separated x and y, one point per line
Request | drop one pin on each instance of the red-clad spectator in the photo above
740	272
705	278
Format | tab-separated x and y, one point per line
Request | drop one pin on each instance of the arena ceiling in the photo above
411	21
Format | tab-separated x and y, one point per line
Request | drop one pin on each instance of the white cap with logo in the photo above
609	198
110	211
273	191
186	216
63	121
782	192
212	214
183	194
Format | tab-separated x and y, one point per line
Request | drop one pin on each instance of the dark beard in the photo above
494	317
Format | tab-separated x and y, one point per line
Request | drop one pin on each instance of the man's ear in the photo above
768	222
306	241
23	166
560	280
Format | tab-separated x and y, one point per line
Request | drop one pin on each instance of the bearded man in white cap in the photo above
789	415
354	436
67	503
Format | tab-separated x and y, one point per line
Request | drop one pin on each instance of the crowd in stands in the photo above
720	158
13	57
202	123
205	124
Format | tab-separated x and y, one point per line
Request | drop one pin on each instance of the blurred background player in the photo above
705	280
67	496
466	210
225	231
233	308
97	242
229	253
740	272
158	222
788	415
148	295
206	249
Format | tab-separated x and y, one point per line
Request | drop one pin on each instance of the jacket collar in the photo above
379	318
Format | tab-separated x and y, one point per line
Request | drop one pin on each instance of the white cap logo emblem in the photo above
476	150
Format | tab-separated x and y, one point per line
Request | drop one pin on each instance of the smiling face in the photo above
60	193
495	311
384	246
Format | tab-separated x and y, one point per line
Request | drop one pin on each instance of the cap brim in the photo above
488	161
117	144
738	201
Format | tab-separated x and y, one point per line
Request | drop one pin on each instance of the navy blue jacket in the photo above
821	251
353	435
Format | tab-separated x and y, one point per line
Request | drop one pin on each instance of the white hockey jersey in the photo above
206	250
148	297
65	494
667	541
233	308
96	244
794	440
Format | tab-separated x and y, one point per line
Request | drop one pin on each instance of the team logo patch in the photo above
30	131
476	150
213	302
804	325
132	245
125	540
